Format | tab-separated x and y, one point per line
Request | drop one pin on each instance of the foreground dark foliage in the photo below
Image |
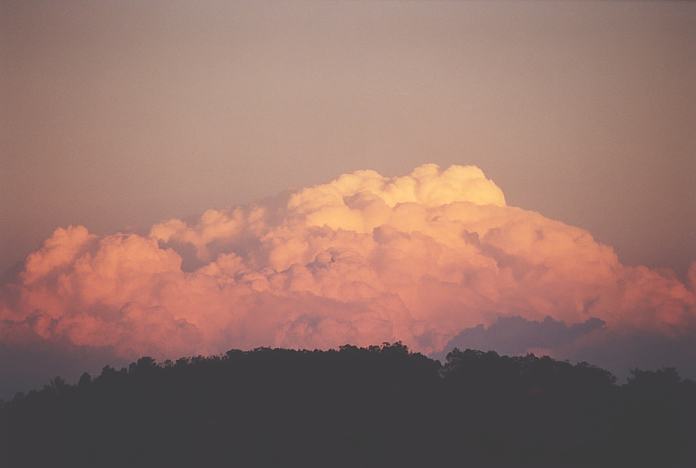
356	407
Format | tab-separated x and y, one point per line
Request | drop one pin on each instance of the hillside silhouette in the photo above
380	406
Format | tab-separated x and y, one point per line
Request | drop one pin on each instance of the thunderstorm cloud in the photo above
362	259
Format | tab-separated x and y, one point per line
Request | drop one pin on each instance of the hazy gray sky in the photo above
116	115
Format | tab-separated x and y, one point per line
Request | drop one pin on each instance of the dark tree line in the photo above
380	406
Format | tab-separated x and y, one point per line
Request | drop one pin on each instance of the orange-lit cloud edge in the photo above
362	259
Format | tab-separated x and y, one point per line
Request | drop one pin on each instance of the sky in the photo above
119	116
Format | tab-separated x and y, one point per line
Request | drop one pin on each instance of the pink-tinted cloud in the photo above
362	259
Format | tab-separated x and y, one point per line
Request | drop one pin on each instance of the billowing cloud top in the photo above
362	259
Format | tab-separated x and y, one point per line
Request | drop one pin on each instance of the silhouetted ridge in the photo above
354	407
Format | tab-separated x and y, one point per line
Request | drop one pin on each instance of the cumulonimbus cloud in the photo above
362	259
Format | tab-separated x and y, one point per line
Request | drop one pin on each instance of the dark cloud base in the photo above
591	341
31	366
